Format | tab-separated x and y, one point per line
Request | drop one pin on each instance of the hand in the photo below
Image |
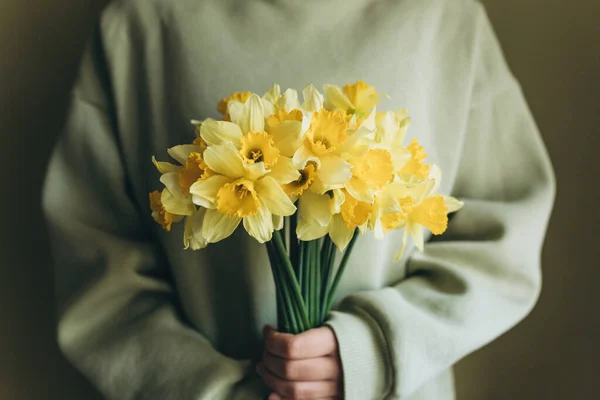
304	366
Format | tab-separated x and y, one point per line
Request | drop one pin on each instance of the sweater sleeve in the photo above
483	275
118	317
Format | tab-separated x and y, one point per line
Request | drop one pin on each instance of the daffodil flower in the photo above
321	145
355	99
429	210
159	212
235	194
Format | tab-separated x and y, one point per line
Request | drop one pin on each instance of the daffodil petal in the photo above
255	171
204	192
273	94
225	160
435	173
336	202
217	226
268	108
284	171
334	170
313	100
309	229
260	226
453	204
286	137
289	100
340	233
336	99
178	205
416	232
234	109
252	118
165	167
360	190
219	132
302	156
317	207
405	236
278	222
192	234
273	197
171	182
182	152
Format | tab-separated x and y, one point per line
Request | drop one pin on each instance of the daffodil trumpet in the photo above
307	179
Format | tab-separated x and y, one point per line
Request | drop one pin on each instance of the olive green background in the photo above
553	47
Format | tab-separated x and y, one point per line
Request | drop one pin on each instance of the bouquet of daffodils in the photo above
306	179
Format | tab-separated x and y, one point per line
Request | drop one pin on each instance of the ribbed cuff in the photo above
363	352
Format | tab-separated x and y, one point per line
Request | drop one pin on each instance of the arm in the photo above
483	276
119	323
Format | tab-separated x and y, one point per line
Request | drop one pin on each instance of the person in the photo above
144	319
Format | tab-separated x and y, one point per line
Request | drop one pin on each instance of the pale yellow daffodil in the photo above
355	99
235	194
429	210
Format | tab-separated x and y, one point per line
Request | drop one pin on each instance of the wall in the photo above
552	47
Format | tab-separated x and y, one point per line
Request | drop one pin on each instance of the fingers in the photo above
298	390
312	369
314	343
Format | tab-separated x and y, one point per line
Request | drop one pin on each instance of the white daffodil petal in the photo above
317	207
336	202
234	109
171	182
435	173
309	229
217	226
182	152
334	170
416	232
165	167
273	197
289	100
284	171
369	122
278	222
302	156
313	100
336	99
219	132
286	137
260	226
225	160
268	108
204	192
405	236
453	204
192	234
255	170
252	118
340	233
177	205
273	94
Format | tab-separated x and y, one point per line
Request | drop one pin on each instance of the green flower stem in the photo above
292	283
330	261
307	251
283	303
340	272
316	285
294	245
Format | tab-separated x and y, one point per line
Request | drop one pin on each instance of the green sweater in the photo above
144	319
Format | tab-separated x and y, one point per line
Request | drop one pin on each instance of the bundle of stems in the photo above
305	283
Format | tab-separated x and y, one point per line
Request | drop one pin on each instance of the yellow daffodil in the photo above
316	213
192	234
429	210
235	194
246	131
415	166
159	212
370	173
355	99
321	145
